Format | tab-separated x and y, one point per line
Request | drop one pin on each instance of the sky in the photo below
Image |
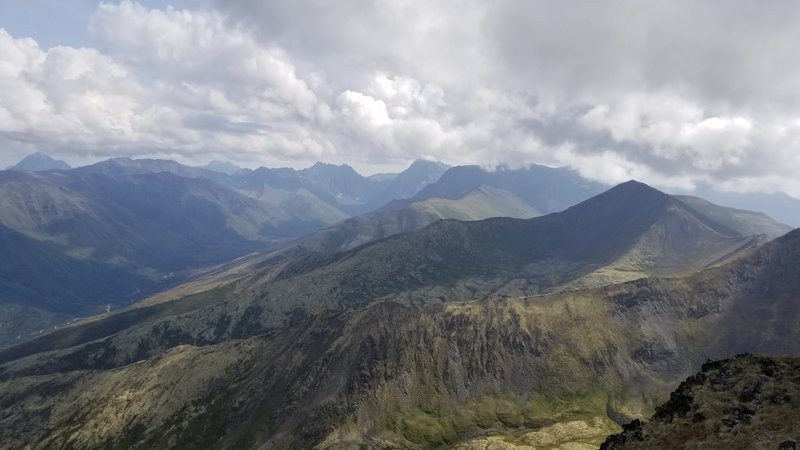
674	93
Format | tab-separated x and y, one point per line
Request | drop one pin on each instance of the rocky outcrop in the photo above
747	402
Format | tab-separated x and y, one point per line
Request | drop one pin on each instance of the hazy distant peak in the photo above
323	165
426	163
38	162
435	169
339	171
225	167
328	169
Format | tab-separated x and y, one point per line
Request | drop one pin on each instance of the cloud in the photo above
671	92
204	63
166	82
61	95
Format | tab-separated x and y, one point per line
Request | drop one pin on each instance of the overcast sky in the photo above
669	92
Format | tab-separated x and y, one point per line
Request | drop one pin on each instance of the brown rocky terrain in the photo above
747	402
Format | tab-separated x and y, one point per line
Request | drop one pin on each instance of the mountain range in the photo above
439	307
143	225
80	241
450	335
564	186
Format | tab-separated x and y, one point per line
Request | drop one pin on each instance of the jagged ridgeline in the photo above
535	332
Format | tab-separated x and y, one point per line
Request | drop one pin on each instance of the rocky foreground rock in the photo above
747	402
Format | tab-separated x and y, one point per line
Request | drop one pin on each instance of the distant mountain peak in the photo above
225	167
428	163
332	169
324	165
38	162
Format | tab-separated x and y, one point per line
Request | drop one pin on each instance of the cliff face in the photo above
747	402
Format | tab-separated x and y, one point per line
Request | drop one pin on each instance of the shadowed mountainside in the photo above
41	287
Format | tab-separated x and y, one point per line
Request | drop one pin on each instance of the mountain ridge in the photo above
780	206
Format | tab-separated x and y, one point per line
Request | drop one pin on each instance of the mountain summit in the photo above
40	162
225	167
